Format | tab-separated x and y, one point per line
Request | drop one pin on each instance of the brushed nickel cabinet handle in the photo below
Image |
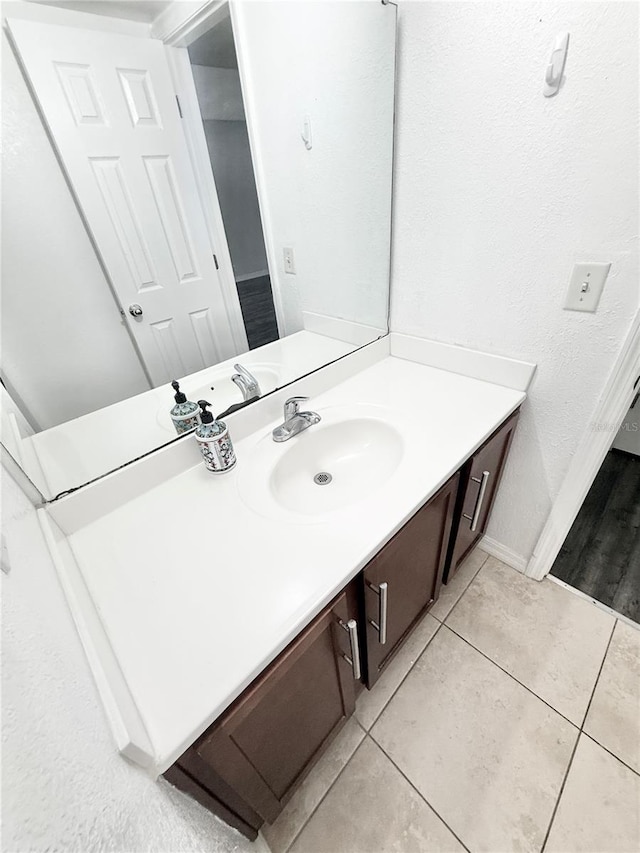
382	591
479	500
351	627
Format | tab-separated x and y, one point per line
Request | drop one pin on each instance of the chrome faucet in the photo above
246	382
295	421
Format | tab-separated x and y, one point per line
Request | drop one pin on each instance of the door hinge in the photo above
179	107
215	261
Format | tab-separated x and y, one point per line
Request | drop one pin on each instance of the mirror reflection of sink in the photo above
225	392
332	465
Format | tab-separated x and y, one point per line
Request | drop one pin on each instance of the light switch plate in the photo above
585	286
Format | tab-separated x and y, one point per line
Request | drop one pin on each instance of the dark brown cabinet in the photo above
403	580
255	755
248	763
479	481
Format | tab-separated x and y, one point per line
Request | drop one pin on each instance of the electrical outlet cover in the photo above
585	286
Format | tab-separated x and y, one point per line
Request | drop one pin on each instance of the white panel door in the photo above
109	102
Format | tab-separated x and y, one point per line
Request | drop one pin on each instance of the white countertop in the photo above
197	593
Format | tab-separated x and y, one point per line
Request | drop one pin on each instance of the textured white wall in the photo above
64	346
334	62
499	190
64	786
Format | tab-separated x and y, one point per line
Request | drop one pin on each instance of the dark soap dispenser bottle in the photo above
215	442
185	414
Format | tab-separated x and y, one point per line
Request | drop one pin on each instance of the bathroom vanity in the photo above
231	620
248	763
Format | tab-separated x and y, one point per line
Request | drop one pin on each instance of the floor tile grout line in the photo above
464	591
418	792
367	731
593	692
404	677
580	733
324	796
512	676
612	754
560	792
428	643
359	724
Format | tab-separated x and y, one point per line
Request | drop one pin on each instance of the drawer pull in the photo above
351	627
479	500
382	592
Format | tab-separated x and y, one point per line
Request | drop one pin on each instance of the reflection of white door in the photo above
110	106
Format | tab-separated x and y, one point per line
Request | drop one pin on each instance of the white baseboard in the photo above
501	552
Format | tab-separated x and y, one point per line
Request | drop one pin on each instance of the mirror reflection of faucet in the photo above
246	382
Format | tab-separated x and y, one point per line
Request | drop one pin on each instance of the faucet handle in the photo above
292	406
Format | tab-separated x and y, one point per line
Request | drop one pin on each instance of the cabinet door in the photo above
403	580
480	481
268	739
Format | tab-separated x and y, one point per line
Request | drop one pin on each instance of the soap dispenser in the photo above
215	442
185	414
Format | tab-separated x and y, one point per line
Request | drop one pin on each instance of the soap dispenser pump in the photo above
185	414
215	442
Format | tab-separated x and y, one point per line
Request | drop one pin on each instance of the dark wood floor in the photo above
601	554
258	312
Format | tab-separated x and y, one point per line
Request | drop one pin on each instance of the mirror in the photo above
195	197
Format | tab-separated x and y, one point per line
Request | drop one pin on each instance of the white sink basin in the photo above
225	393
358	454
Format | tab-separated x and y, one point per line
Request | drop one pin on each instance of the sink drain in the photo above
323	478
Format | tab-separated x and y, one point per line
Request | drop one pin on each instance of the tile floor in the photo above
508	721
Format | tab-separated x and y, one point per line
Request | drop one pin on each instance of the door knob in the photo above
135	310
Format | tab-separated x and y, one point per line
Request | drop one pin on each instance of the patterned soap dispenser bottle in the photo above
185	414
215	442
